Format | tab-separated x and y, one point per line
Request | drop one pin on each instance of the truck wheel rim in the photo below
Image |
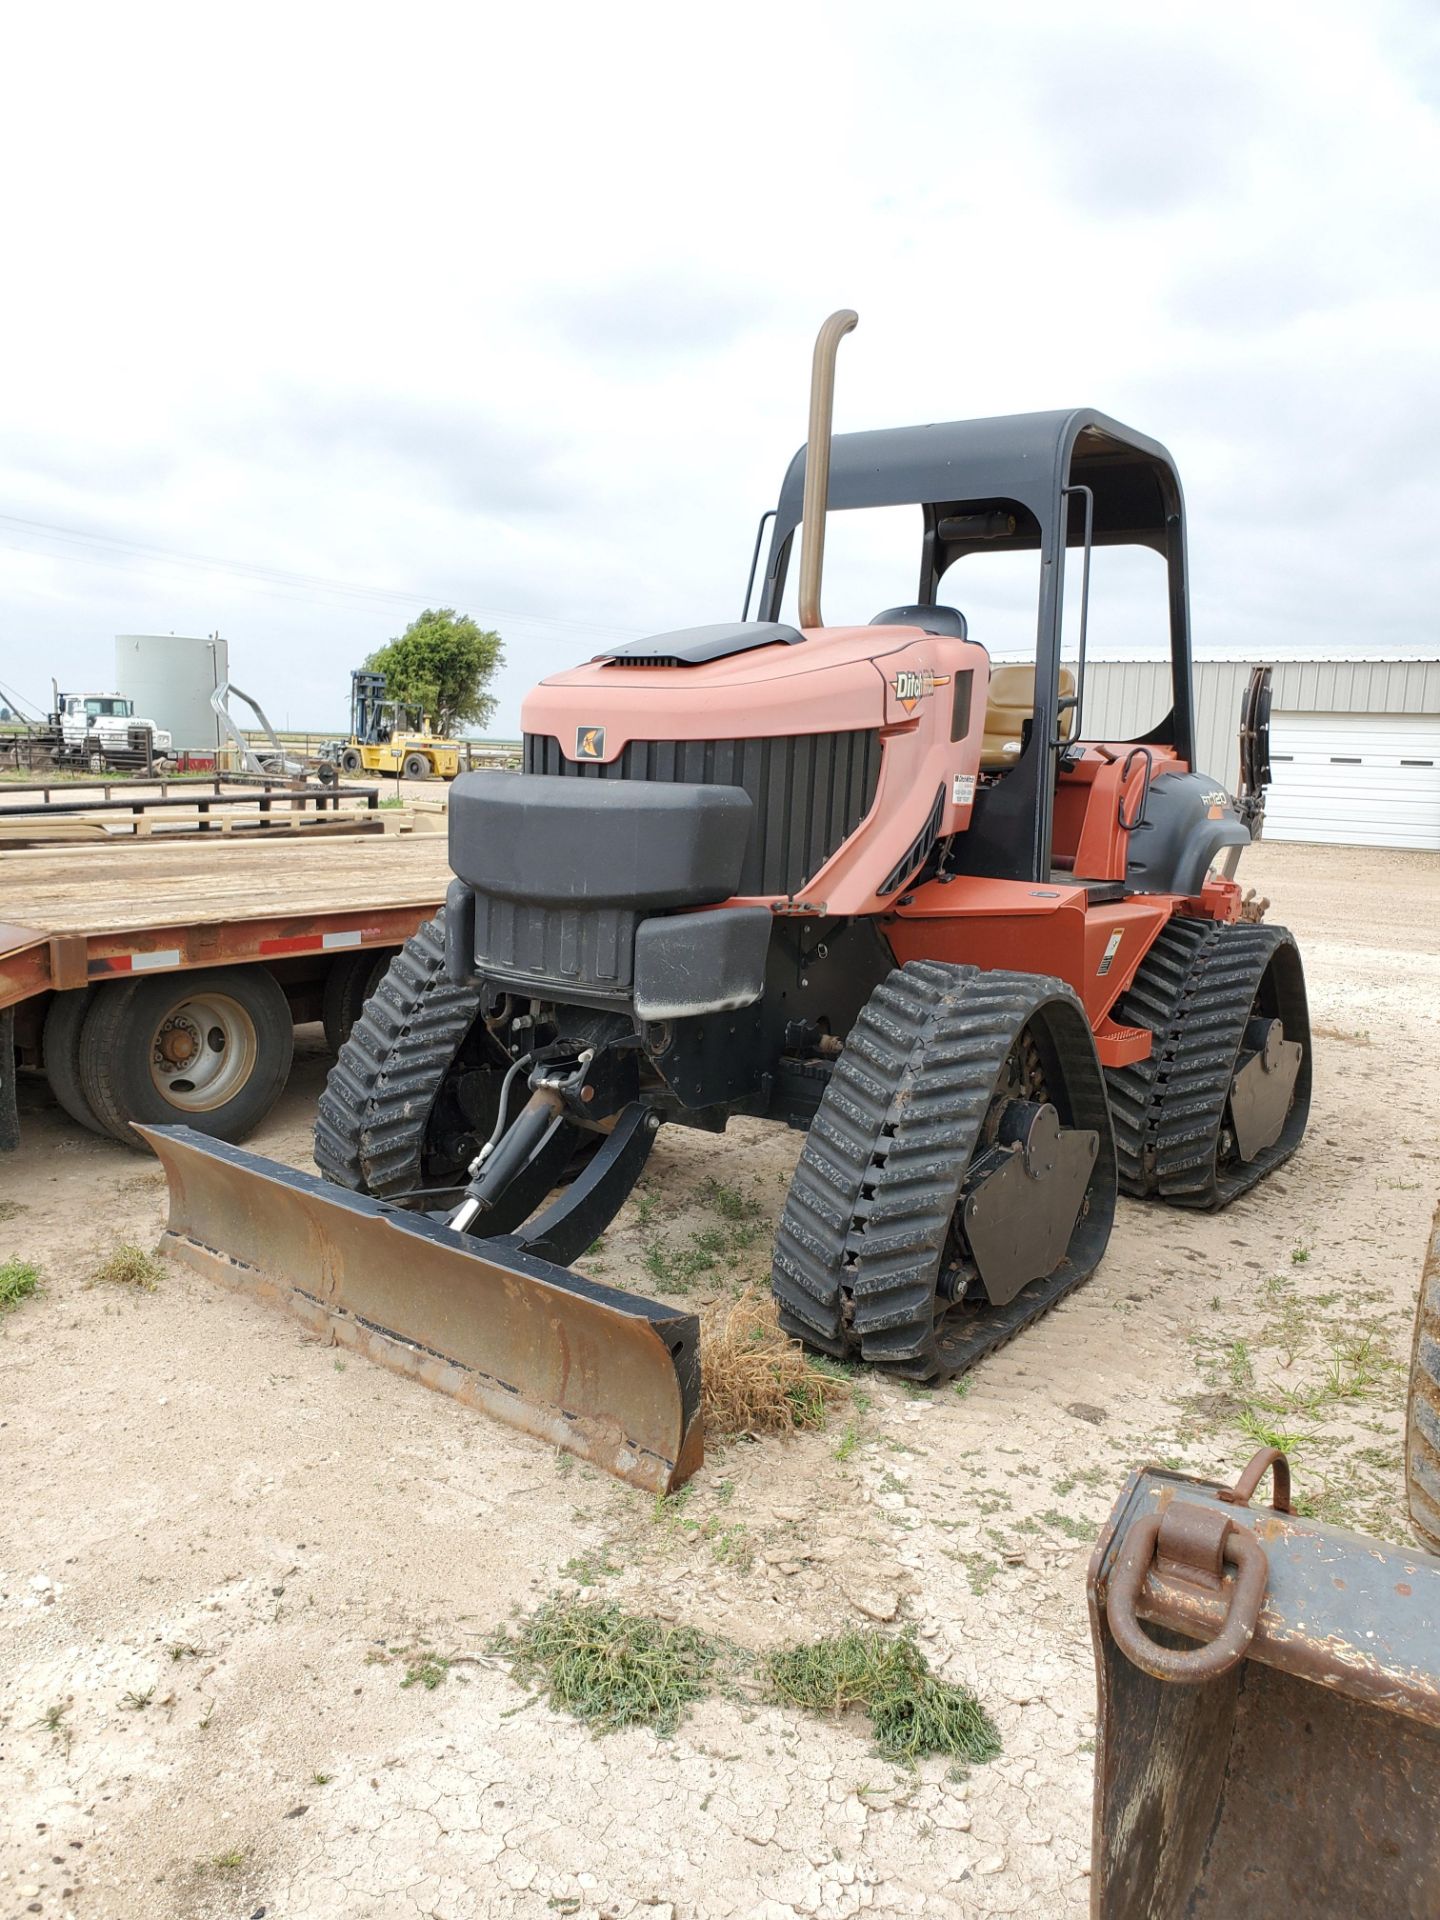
203	1052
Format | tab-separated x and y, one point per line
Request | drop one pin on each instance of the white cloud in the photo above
513	311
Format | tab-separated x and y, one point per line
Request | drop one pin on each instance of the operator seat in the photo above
1009	703
948	621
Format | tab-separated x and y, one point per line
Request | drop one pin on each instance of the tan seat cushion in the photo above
1009	703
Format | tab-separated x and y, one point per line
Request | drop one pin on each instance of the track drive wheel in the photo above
958	1177
1225	1095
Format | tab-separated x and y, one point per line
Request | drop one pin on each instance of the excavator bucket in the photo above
1268	1739
602	1373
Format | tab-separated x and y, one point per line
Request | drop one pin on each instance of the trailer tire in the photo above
60	1051
349	984
416	767
124	1030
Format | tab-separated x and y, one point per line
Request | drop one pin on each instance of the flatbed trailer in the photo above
162	978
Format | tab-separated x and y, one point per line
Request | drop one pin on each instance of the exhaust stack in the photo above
817	461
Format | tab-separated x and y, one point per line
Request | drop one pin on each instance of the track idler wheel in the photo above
1263	1090
1023	1197
958	1177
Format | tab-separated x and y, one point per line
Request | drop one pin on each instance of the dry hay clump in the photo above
755	1378
128	1266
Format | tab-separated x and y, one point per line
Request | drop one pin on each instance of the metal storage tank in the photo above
170	677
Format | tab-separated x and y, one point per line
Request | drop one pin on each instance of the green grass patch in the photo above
729	1202
610	1668
128	1266
889	1678
1069	1525
980	1569
18	1280
427	1670
591	1567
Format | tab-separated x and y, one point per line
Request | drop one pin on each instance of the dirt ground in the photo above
215	1529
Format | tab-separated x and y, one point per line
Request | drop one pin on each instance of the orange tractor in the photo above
851	878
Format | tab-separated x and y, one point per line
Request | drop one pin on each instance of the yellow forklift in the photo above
390	736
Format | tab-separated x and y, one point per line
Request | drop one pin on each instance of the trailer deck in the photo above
73	914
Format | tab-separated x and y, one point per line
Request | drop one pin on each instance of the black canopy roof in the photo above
1024	458
1013	481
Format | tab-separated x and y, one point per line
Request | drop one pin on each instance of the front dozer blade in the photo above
607	1375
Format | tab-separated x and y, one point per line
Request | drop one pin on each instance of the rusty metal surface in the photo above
28	968
1268	1460
1304	1779
1190	1545
605	1374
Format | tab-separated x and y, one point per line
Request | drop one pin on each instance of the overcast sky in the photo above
314	316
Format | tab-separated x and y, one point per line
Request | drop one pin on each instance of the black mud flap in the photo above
605	1374
9	1107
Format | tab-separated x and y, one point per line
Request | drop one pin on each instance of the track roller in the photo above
1225	1095
958	1177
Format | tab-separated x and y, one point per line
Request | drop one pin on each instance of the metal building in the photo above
170	677
1355	744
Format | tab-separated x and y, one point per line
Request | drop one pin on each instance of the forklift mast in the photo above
367	691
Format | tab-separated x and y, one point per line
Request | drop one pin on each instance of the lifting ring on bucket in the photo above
1188	1533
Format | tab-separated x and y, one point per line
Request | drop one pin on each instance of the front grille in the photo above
810	791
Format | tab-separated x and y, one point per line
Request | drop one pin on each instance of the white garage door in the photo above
1357	779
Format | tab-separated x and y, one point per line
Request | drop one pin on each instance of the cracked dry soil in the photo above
221	1541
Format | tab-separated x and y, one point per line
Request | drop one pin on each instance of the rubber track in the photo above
1422	1425
1152	1000
1196	998
370	1129
866	1218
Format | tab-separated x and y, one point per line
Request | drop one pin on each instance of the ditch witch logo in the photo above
590	743
914	684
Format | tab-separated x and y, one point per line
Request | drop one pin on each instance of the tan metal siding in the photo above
1124	697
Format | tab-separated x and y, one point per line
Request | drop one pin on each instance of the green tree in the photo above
444	662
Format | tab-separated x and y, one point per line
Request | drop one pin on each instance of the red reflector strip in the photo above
137	962
313	942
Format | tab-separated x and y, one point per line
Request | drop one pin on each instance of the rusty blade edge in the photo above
655	1443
